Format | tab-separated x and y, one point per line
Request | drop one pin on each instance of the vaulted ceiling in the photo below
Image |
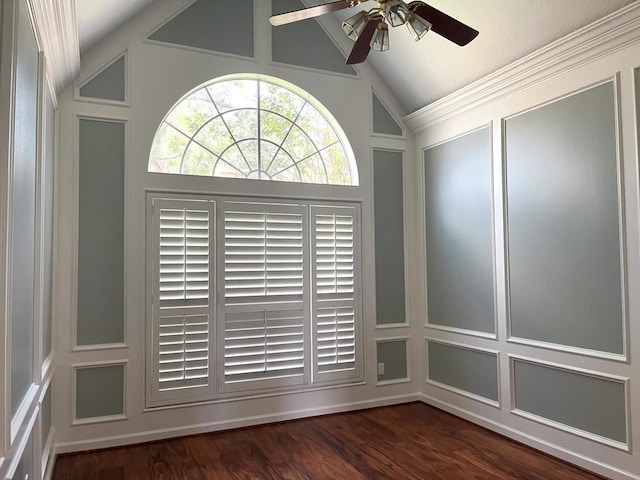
422	72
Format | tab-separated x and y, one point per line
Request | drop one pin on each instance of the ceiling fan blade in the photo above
302	14
362	47
444	25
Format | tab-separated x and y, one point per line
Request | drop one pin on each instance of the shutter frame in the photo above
280	252
180	365
336	293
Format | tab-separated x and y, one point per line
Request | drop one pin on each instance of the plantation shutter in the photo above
265	326
182	300
336	302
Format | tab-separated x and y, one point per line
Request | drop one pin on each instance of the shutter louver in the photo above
183	351
334	312
264	327
263	256
264	343
182	305
336	338
184	257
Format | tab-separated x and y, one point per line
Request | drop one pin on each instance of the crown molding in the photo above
58	33
613	32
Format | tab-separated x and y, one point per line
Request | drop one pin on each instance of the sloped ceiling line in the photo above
617	30
58	31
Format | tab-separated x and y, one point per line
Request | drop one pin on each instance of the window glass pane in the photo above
234	94
198	161
274	126
251	128
167	150
192	112
215	136
278	99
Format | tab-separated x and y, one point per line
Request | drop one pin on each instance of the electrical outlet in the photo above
381	368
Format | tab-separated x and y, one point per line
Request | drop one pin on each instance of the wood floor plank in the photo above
404	442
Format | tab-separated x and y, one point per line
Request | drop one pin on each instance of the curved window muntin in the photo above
320	157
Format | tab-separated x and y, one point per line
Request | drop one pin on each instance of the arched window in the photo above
253	127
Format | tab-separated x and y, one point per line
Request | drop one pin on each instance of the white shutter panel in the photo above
336	307
182	299
265	324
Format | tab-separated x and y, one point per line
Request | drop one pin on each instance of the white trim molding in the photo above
613	32
58	31
85	79
625	446
588	462
246	421
407	341
459	391
124	363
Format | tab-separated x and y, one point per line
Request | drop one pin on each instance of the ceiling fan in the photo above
370	29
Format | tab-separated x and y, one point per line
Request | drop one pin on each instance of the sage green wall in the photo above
393	353
48	228
108	84
101	233
25	142
383	121
563	222
46	417
210	25
592	404
389	236
305	43
469	370
637	79
459	232
99	391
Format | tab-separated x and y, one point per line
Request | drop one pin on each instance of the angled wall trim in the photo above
614	32
201	26
107	84
383	122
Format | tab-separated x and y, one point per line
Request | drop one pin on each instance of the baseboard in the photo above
547	447
153	435
48	473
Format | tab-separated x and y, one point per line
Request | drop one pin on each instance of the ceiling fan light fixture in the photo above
354	25
418	26
380	40
396	13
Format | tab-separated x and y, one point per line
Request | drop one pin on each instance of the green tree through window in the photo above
253	128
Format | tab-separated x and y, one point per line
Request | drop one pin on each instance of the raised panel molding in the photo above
58	34
613	32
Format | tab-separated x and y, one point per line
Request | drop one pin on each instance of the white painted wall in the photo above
607	50
157	77
23	450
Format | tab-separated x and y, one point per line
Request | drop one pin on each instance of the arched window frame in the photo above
307	100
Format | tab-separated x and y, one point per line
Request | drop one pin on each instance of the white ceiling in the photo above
420	73
97	18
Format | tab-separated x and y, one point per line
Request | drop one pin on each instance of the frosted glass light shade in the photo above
354	25
380	40
418	26
397	14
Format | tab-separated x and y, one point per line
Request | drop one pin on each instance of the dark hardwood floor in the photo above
411	441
